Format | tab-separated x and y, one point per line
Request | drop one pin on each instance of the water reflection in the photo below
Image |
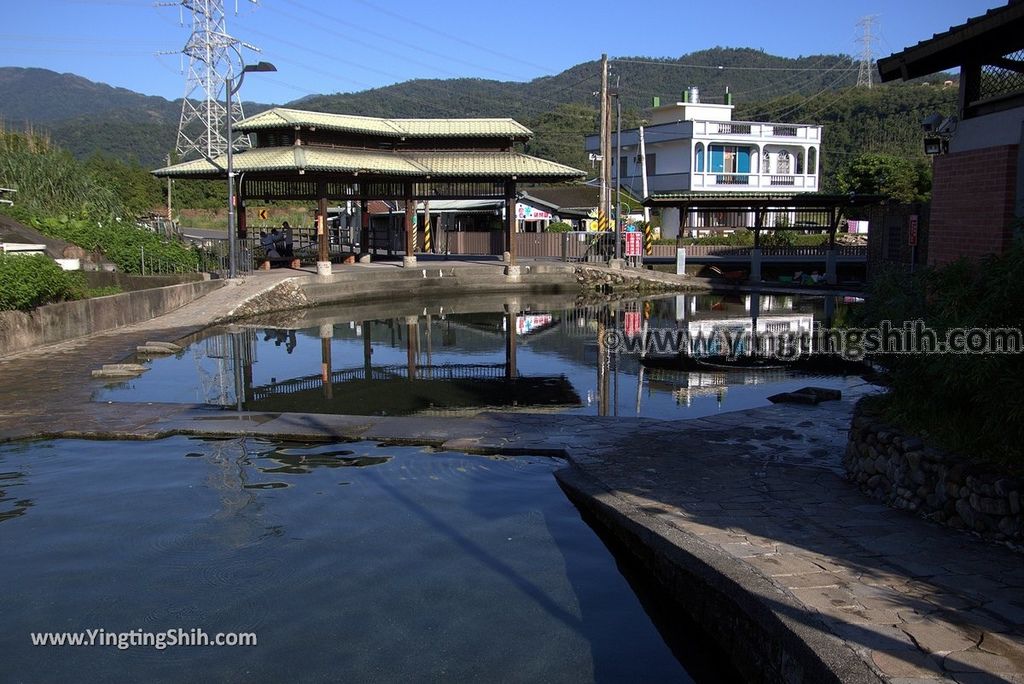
509	354
302	460
10	506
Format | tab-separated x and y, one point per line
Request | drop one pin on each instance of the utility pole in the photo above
618	171
170	216
604	211
865	71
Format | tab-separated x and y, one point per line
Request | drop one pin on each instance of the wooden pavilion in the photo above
324	158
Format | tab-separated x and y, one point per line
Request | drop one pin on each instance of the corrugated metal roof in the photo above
343	160
489	163
281	117
408	163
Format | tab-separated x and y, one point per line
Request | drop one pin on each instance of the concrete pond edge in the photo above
742	611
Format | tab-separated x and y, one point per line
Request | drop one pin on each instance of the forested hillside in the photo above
88	118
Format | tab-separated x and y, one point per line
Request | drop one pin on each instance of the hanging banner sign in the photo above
634	243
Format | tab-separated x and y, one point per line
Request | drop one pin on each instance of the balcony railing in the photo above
757	130
727	181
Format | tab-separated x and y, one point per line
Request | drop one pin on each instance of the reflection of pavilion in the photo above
414	387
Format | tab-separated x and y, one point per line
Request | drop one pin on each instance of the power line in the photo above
382	38
456	38
714	67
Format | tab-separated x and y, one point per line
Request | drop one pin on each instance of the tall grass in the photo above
972	403
50	182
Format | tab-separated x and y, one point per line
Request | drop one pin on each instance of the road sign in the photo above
912	233
634	243
263	214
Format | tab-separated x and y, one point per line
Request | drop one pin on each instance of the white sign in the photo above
525	211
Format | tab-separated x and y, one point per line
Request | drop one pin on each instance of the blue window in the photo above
729	159
700	157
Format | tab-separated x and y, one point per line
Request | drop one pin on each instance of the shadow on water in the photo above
703	659
17	507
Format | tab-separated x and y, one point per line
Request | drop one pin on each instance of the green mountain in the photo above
748	74
86	117
40	96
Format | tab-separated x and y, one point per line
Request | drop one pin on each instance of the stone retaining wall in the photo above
639	281
20	330
947	488
128	282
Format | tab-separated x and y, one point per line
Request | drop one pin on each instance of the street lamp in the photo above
229	91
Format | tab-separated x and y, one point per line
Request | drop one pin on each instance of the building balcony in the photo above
767	132
765	182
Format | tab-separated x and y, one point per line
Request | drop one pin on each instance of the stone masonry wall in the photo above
943	487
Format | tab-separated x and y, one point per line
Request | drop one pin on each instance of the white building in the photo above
696	147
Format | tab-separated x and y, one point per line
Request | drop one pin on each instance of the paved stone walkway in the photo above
760	489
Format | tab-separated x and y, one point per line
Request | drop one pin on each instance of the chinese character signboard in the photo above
634	244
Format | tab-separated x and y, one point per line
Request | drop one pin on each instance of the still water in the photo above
350	562
488	353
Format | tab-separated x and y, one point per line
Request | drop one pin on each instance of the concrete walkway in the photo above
750	509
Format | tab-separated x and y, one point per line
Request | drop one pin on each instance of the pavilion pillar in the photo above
830	254
512	268
326	365
511	371
364	231
367	351
755	253
323	259
410	229
412	328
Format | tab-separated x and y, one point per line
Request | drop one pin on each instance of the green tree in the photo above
898	178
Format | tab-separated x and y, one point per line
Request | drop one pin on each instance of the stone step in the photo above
126	367
166	345
114	373
151	350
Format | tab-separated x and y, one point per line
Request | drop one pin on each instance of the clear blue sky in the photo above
322	46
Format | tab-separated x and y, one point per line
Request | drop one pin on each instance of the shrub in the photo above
28	281
778	238
559	227
969	402
123	243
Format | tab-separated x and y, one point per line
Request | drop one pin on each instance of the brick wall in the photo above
973	196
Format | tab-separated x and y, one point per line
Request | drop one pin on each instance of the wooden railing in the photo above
576	246
744	251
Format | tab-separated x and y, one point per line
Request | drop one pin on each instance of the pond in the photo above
492	352
349	562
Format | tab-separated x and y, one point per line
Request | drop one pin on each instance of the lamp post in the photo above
229	91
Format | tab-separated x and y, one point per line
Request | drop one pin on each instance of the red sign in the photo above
634	243
912	236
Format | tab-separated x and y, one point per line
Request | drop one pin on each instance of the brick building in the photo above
977	193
